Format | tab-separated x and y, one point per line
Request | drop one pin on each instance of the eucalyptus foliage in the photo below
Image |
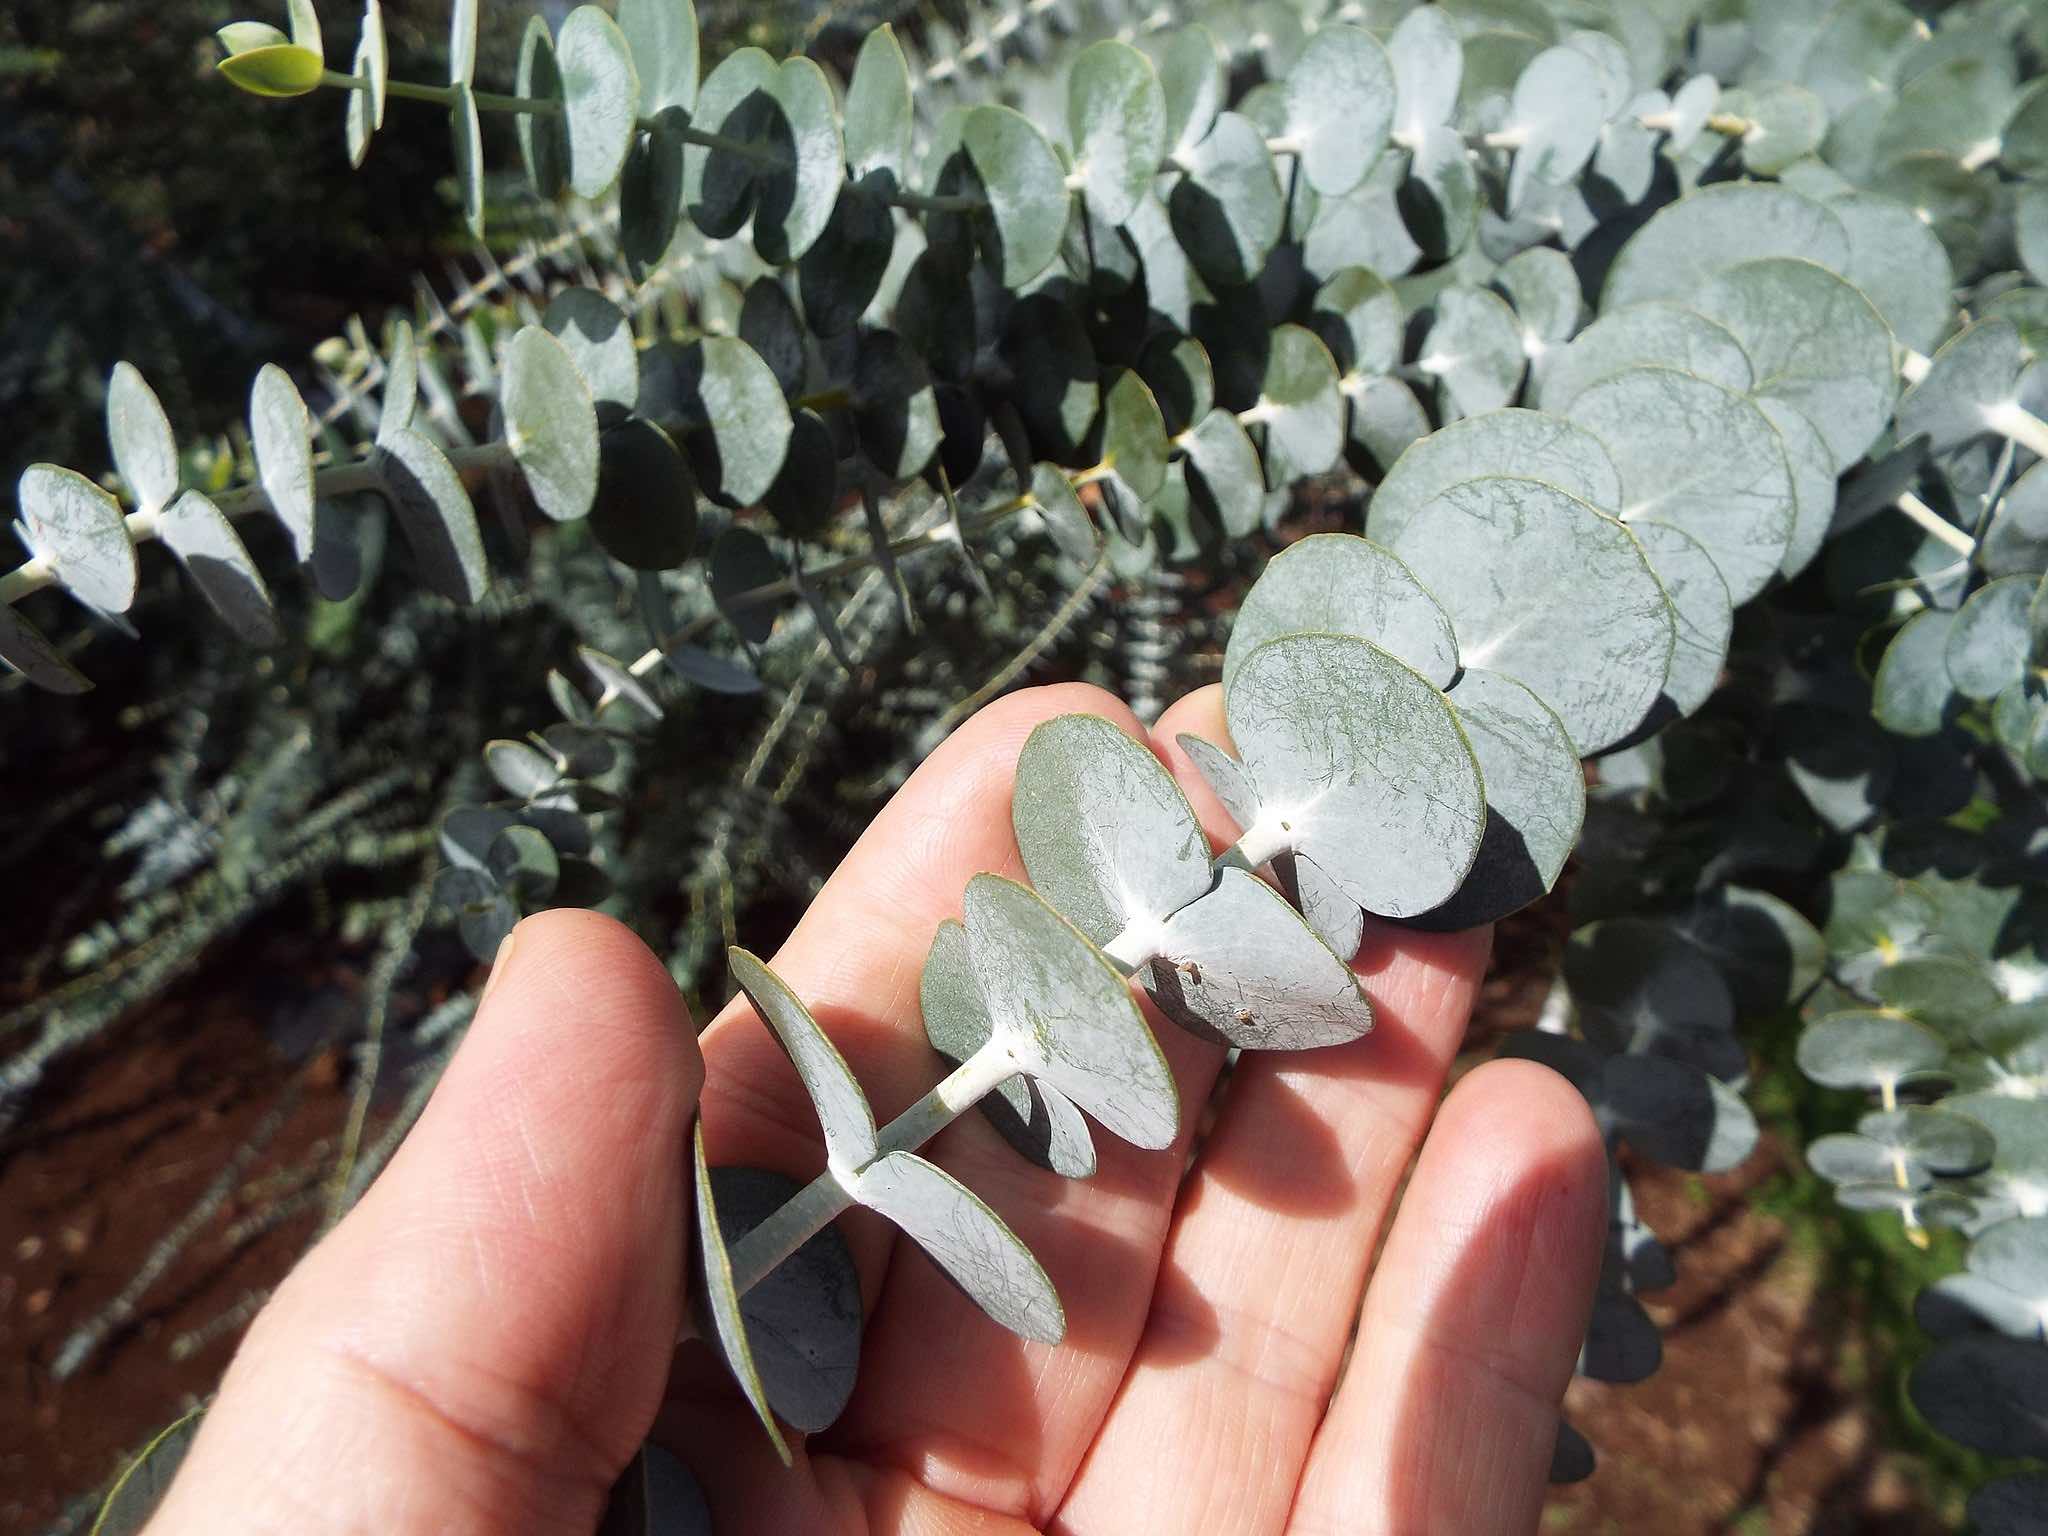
1691	355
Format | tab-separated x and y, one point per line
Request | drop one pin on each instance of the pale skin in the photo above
483	1343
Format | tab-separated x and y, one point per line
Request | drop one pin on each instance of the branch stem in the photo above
1932	522
814	1207
336	480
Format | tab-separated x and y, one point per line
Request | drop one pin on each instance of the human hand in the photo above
485	1340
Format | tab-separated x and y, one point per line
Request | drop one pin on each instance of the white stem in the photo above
1506	138
827	1196
2015	421
1265	837
1658	122
1933	522
1982	154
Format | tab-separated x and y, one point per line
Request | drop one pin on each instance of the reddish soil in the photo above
1750	1427
1753	1425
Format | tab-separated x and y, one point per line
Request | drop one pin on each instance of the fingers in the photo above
1271	1244
480	1344
945	1397
1447	1413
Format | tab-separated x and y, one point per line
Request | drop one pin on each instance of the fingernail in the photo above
497	968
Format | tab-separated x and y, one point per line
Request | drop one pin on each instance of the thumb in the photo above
481	1344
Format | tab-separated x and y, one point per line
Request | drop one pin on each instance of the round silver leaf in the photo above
1065	1014
1035	1118
1701	458
803	1319
1242	967
1360	765
1535	800
969	1241
1512	441
1556	594
1106	834
1340	584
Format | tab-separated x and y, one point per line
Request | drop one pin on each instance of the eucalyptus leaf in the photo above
849	1125
1986	1392
79	530
1989	647
1975	371
1242	967
1035	1118
1227	208
1116	117
143	1482
1339	106
1321	723
1557	111
1814	342
281	431
524	864
1701	458
1474	349
645	510
1656	332
1900	265
1224	473
400	397
1025	186
1065	1015
1675	1113
803	1318
1687	243
661	36
206	545
742	563
896	411
599	339
428	498
1192	80
1640	988
1300	407
28	651
737	422
966	1239
468	134
1537	445
600	95
879	115
1066	520
1340	584
1541	586
145	452
1535	800
545	148
1106	835
1860	1049
1912	693
655	1496
280	70
550	423
1622	1343
1428	62
720	1305
484	916
1701	605
1544	290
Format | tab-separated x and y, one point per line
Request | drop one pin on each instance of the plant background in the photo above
148	212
